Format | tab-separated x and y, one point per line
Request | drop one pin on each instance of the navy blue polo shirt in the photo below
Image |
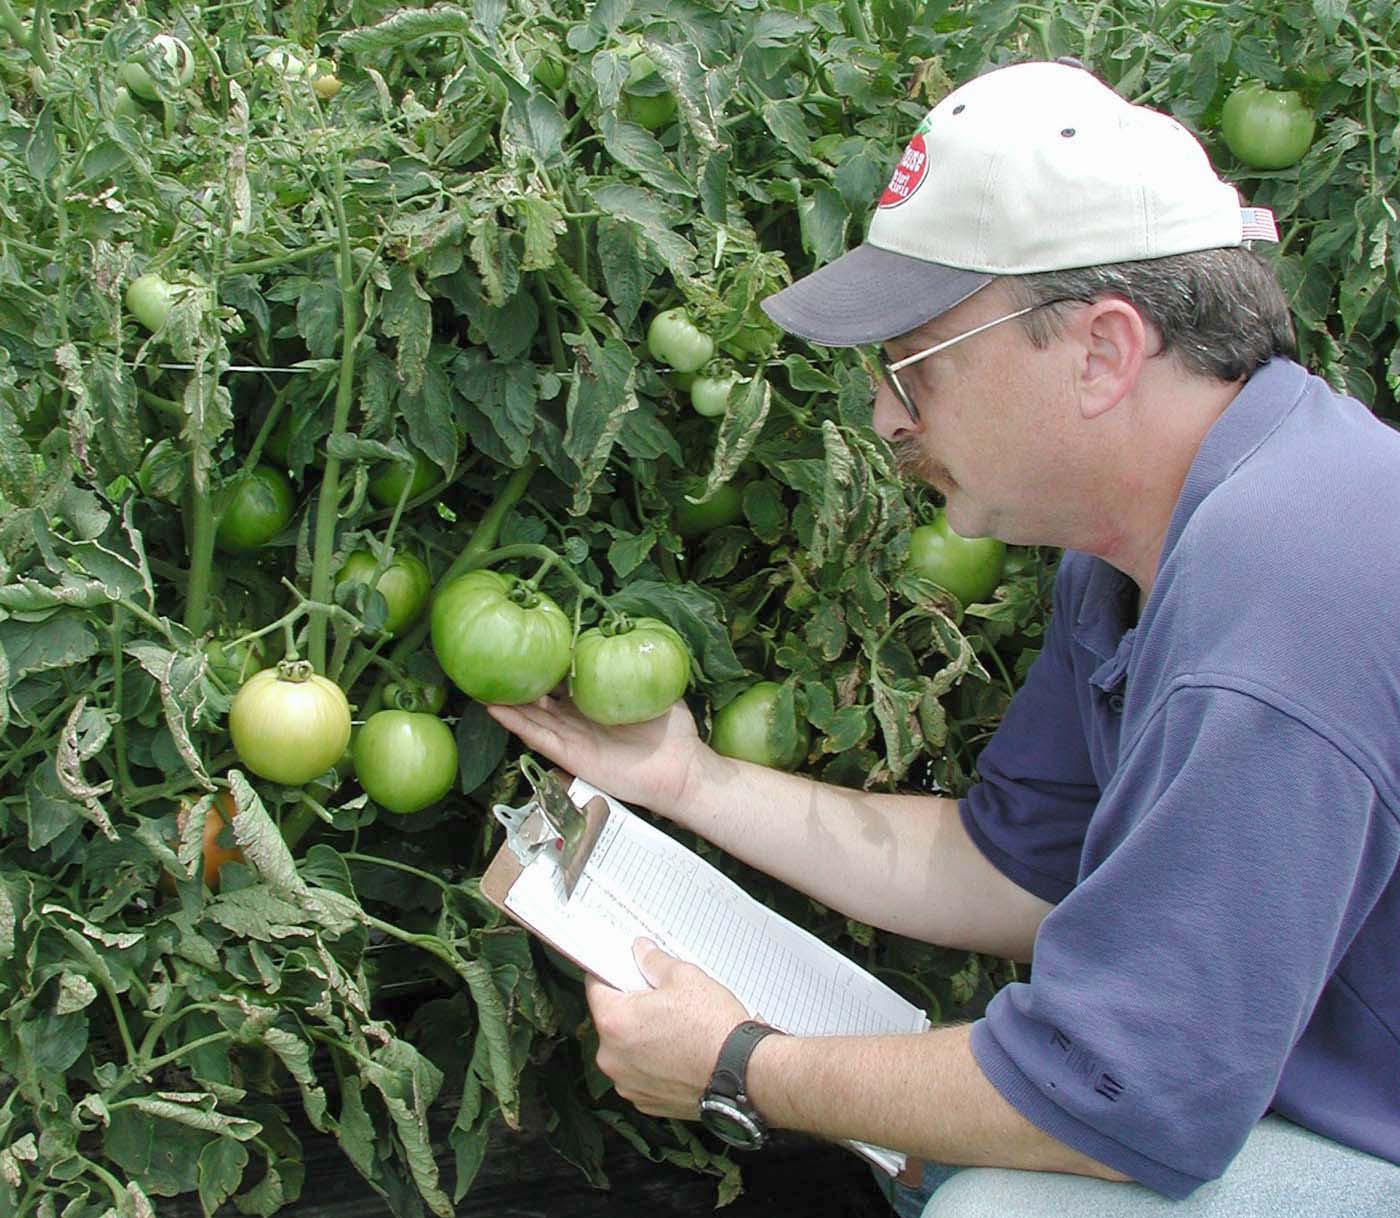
1209	796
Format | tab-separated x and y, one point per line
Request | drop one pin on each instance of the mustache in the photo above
915	465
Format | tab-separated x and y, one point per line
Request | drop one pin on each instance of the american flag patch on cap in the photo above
1257	224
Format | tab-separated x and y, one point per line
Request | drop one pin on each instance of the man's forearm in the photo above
924	1095
900	862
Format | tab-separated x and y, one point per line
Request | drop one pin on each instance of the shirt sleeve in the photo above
1169	987
1037	790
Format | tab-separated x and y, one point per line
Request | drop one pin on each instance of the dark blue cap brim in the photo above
870	295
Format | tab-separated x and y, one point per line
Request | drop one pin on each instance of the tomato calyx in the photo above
415	696
615	625
296	672
525	594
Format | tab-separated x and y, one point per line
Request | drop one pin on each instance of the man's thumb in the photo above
651	960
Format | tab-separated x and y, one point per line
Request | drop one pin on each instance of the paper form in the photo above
638	881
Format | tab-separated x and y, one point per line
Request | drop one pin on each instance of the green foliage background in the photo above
454	263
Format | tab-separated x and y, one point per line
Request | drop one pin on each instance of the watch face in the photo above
727	1121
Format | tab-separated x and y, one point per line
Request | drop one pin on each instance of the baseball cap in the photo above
1032	167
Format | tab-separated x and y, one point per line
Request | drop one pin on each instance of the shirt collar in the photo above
1267	398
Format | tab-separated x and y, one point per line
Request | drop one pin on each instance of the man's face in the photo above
989	427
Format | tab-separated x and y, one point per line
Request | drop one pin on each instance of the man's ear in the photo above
1113	339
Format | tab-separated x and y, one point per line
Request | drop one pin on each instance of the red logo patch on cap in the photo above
908	175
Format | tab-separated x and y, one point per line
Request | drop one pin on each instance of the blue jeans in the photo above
1282	1171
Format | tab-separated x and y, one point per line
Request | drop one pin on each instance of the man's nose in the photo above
890	420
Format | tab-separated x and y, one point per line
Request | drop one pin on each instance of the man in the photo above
1188	818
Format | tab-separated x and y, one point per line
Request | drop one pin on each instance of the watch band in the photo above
730	1076
725	1109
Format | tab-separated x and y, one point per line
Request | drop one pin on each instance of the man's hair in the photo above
1221	311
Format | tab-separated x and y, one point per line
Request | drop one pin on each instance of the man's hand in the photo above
649	763
659	1046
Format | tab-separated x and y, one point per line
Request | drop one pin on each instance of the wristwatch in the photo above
725	1109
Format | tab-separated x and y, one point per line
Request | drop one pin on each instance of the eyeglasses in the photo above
890	369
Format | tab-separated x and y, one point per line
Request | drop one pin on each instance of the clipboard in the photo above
507	866
635	880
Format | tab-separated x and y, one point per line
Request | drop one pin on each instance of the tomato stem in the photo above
12	24
119	727
860	27
546	564
273	261
295	824
550	559
483	540
200	512
32	40
351	857
326	513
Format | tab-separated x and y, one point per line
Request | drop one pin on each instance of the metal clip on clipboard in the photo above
551	821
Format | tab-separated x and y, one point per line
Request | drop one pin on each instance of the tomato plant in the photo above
404	584
405	761
629	671
289	724
761	725
1267	128
472	240
257	509
500	640
676	340
968	567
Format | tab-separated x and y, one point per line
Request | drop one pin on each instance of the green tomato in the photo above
415	695
326	85
165	49
404	584
549	71
288	724
233	662
629	674
968	567
498	640
164	471
674	339
257	509
405	761
278	445
654	111
1266	129
752	339
124	104
149	299
724	507
710	394
754	727
282	62
387	483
